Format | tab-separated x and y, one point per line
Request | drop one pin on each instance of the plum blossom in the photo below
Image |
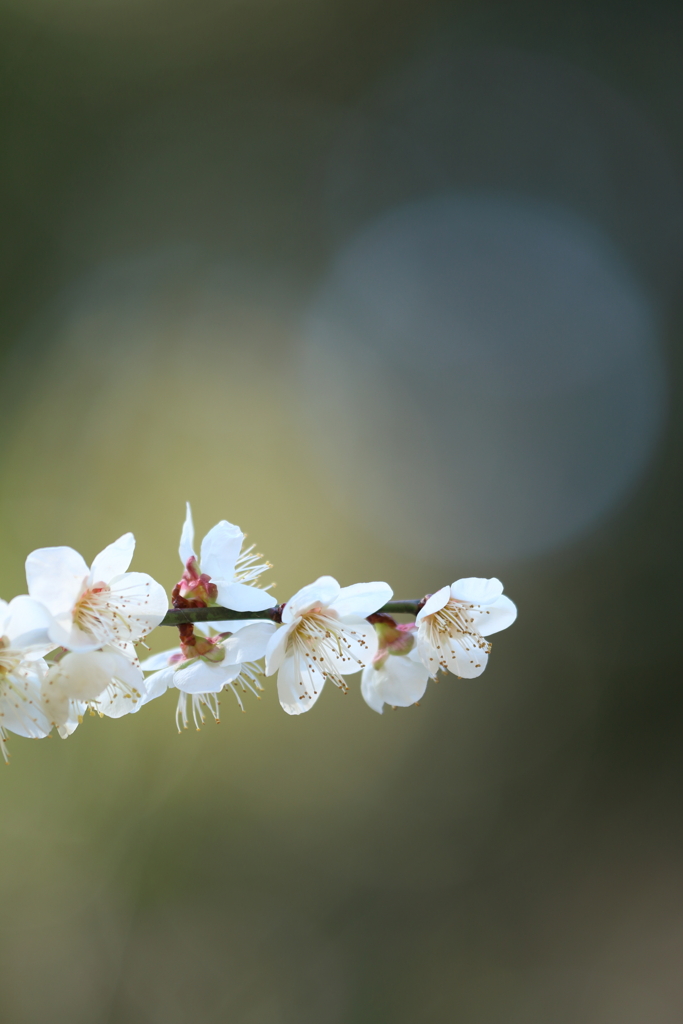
324	635
396	675
105	681
201	670
454	621
68	647
23	644
223	573
102	606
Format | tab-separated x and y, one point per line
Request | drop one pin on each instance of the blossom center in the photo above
453	624
322	644
93	612
106	616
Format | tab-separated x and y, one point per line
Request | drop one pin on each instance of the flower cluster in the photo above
86	621
70	644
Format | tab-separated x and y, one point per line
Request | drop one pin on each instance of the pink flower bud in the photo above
393	638
197	586
207	648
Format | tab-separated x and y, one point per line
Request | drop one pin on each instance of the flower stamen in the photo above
248	567
452	624
317	640
198	701
106	616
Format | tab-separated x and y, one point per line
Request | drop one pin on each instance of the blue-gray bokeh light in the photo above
502	120
487	370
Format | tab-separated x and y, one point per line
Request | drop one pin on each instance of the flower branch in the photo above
70	644
177	616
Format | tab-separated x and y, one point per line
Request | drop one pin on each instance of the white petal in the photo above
322	592
369	689
464	658
115	704
434	603
55	577
186	549
157	684
72	718
248	644
59	709
240	597
63	633
143	602
476	590
358	649
401	681
113	561
298	685
276	649
204	677
35	647
159	661
128	650
22	709
220	551
428	656
127	671
361	599
126	699
82	675
491	618
26	621
461	654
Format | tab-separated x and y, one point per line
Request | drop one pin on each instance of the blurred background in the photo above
396	288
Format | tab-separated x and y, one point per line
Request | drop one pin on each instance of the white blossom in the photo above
453	623
23	644
396	675
222	573
201	672
105	681
96	607
324	635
